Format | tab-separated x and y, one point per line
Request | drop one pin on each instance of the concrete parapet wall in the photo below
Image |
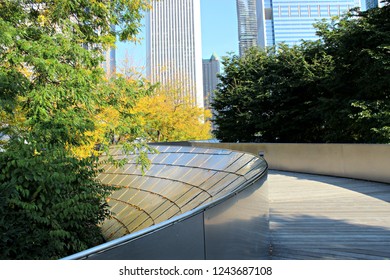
359	161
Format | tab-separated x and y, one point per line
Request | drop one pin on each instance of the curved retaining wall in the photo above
359	161
193	203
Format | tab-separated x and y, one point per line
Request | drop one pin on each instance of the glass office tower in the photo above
291	21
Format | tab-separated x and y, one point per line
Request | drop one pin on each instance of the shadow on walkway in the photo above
308	237
322	217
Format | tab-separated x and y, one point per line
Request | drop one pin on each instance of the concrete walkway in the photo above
320	217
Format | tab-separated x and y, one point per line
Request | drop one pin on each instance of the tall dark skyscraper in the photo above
211	68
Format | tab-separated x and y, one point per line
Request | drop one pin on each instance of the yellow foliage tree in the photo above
113	118
167	115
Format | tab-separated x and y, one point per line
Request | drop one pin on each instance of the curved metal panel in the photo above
227	188
182	241
238	227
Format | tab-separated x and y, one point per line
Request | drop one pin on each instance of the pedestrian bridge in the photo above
192	203
323	217
202	203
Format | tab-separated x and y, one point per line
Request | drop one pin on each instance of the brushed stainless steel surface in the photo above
182	241
183	183
238	227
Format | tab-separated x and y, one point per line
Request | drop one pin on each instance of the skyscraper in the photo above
174	49
109	63
292	21
373	3
211	68
247	24
275	21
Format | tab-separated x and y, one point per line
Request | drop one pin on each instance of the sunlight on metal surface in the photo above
179	179
220	191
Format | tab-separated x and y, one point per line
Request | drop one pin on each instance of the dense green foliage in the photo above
52	203
336	89
54	102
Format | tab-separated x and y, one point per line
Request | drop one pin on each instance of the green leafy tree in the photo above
358	107
51	90
51	205
241	100
270	95
294	83
335	89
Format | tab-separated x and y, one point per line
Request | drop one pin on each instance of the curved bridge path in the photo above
321	217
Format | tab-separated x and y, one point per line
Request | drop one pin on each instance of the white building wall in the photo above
109	63
174	47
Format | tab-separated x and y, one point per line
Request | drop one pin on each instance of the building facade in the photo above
289	21
174	47
247	24
211	69
109	63
374	3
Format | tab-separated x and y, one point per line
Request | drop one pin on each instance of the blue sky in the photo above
219	34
